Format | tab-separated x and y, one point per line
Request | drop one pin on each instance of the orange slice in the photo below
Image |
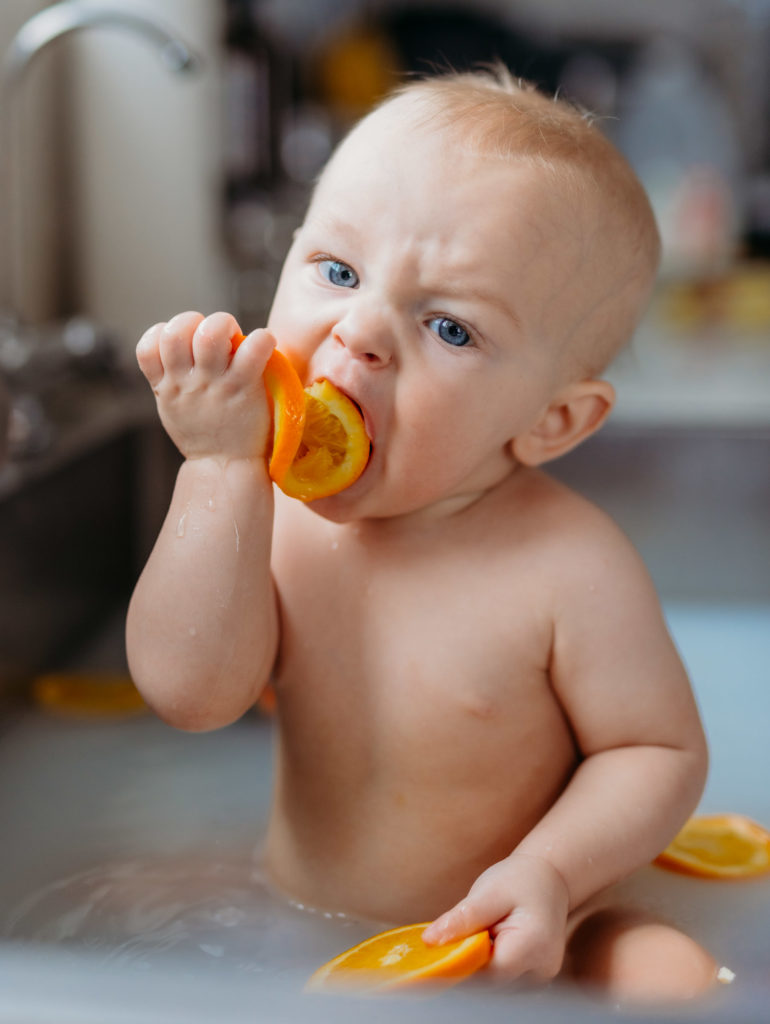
319	445
94	694
287	408
335	447
287	402
399	959
719	846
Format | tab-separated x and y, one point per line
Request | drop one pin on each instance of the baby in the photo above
482	720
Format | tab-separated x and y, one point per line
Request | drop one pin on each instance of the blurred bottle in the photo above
676	129
252	105
5	415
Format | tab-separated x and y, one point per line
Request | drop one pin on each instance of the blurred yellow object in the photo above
356	70
87	694
739	301
750	299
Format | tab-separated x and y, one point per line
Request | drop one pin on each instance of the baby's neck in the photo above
444	515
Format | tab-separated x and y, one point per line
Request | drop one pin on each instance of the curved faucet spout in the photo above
52	22
34	35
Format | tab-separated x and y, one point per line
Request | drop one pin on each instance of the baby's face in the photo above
433	286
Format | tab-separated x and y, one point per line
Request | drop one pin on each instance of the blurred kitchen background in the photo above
156	156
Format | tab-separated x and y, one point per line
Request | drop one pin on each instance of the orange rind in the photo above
319	444
726	846
399	959
286	399
287	406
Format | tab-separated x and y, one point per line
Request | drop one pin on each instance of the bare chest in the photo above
414	707
415	651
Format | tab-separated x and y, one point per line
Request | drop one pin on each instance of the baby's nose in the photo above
367	334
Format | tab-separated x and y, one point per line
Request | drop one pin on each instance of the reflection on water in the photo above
141	844
213	913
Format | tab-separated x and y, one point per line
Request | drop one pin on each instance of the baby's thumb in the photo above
471	915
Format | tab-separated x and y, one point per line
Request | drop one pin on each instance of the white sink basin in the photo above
129	881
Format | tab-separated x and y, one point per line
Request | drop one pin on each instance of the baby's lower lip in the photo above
367	422
367	427
361	412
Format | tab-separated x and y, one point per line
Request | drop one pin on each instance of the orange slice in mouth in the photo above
319	445
334	449
399	959
719	846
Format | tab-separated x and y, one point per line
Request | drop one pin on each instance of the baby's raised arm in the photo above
202	627
626	695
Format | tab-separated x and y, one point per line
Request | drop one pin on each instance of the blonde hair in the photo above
499	116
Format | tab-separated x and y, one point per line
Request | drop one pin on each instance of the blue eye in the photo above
450	332
338	273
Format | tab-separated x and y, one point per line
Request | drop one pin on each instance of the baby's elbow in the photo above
191	719
187	714
697	766
189	704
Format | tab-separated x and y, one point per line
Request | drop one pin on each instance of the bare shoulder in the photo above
570	532
592	566
613	664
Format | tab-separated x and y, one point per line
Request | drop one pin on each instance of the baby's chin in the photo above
345	506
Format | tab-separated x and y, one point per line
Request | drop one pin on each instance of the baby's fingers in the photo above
148	355
252	354
471	915
532	950
212	342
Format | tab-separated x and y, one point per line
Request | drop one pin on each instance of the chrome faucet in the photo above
17	342
70	15
33	36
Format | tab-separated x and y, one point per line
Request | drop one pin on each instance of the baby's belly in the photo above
391	810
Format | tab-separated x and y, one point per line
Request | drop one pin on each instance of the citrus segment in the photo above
87	694
719	846
287	408
399	959
335	447
319	445
287	400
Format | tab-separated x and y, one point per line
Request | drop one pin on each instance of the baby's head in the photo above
473	256
596	200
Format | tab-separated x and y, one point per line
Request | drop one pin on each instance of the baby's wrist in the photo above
229	468
550	873
223	460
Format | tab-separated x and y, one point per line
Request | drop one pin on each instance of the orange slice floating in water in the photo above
399	959
719	846
319	445
87	694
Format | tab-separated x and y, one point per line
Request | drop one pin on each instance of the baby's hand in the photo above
524	902
211	402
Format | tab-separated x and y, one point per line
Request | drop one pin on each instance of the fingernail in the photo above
435	932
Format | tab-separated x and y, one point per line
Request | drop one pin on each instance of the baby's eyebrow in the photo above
467	291
331	222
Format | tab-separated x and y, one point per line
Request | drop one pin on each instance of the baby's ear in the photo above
573	415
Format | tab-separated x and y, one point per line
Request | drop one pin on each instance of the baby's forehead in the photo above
430	136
